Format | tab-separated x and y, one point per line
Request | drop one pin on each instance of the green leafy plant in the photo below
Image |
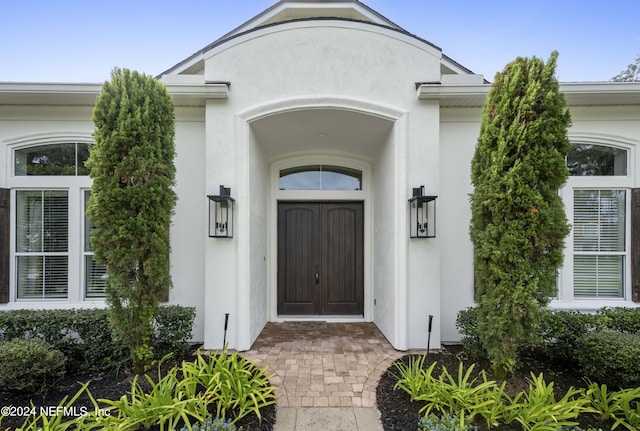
29	365
615	405
611	357
631	415
621	319
432	422
173	329
56	422
131	203
86	338
467	324
518	223
538	410
465	396
561	332
232	382
413	378
164	405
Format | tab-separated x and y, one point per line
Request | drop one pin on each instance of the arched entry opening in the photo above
321	208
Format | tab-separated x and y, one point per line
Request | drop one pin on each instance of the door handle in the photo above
317	277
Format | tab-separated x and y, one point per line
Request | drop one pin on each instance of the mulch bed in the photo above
398	412
110	386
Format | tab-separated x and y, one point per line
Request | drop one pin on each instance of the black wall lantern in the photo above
221	214
422	211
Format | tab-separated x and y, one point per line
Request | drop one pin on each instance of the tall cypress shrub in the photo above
132	200
518	221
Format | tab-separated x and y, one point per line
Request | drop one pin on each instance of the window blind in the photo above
599	247
42	243
94	273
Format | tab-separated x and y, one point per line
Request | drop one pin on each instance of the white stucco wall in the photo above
460	127
35	125
309	65
423	257
259	237
42	124
384	241
189	226
459	131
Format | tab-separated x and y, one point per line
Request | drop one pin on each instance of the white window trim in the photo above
565	298
75	187
364	195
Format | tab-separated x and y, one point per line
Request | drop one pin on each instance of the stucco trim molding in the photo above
327	101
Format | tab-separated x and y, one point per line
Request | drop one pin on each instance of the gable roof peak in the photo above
289	10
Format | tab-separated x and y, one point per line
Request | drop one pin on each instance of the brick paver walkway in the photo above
334	366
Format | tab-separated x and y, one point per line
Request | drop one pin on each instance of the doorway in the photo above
320	258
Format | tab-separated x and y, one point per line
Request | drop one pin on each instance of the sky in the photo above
83	40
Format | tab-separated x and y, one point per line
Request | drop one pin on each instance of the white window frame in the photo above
75	187
565	298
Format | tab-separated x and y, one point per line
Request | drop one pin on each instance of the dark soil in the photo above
398	412
111	386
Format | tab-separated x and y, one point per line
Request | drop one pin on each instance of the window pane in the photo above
598	276
95	273
87	222
42	277
52	159
596	160
55	221
338	178
599	220
83	156
95	276
42	221
28	221
316	177
300	178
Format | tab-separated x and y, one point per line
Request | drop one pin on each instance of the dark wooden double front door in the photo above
320	258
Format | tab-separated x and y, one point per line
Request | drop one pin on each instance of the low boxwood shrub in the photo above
561	333
85	337
467	324
611	357
621	319
174	329
29	365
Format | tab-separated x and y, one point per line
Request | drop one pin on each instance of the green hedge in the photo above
620	319
85	336
29	365
561	333
592	340
611	358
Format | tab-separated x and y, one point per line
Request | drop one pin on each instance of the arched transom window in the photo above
320	177
66	158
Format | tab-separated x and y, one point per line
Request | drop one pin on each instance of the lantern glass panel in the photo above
423	217
221	217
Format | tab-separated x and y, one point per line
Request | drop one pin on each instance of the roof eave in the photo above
576	93
55	94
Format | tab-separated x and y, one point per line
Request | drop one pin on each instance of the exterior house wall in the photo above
423	257
459	132
338	65
312	92
24	125
385	250
189	224
259	232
